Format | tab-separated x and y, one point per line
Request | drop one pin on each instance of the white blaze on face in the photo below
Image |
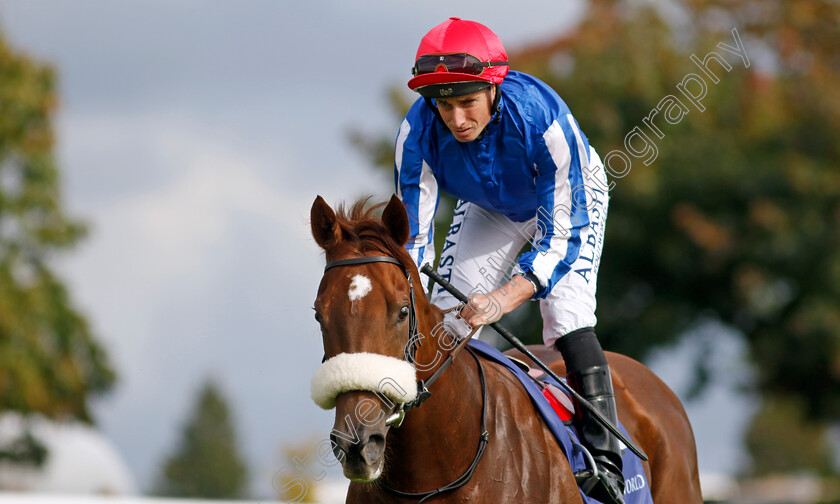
359	287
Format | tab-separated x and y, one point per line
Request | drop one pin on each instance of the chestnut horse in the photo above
369	304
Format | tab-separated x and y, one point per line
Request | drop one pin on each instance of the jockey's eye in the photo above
404	311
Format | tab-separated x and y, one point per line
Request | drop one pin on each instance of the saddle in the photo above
557	410
560	402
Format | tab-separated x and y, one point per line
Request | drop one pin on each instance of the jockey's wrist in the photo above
531	280
486	308
514	293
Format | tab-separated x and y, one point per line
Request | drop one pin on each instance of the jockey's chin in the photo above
466	134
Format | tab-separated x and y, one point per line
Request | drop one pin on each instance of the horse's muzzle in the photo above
358	436
361	461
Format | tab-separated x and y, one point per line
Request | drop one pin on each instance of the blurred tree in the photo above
737	216
298	481
25	450
49	360
781	439
207	462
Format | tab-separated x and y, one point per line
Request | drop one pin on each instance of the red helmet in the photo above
458	57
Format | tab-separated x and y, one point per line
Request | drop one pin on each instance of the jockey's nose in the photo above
459	117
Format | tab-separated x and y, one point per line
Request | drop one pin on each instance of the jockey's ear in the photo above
395	220
325	228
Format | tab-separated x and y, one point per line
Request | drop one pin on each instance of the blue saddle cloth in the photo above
636	491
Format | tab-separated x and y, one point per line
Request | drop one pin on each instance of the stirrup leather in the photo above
590	477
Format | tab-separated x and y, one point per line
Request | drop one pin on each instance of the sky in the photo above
193	137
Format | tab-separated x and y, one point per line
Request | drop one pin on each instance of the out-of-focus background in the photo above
157	165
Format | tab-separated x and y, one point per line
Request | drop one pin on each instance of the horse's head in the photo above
366	311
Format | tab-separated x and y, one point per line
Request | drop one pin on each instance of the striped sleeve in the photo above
418	189
560	217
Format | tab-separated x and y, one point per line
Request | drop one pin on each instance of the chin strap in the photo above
431	105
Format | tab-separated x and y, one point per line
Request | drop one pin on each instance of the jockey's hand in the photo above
488	308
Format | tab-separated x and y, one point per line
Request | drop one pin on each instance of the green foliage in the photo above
737	218
25	450
780	439
49	360
207	463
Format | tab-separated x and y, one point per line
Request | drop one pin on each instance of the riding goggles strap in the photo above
458	63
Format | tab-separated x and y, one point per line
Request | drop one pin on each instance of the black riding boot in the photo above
595	386
589	374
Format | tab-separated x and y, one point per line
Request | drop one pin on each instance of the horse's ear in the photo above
395	220
324	224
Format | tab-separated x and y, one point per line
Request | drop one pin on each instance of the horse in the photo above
476	438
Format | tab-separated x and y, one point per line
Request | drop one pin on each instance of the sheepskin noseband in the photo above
388	376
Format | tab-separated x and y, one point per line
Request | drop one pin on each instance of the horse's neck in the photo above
452	412
451	417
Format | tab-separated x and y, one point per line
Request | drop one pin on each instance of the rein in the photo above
423	386
483	440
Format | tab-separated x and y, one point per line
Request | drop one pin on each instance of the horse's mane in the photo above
360	224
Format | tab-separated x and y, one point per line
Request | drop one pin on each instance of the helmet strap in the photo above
495	109
434	109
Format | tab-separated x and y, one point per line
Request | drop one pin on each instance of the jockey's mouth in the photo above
465	132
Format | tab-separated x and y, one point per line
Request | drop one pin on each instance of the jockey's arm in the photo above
488	308
557	173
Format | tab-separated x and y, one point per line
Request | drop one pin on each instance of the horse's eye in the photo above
404	311
318	317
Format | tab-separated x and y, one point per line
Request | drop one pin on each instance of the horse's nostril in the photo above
339	446
377	439
374	448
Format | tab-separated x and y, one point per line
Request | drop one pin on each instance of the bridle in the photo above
413	337
423	393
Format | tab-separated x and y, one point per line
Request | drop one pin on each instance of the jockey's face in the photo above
467	115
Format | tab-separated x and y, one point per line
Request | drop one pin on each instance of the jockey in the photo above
507	146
